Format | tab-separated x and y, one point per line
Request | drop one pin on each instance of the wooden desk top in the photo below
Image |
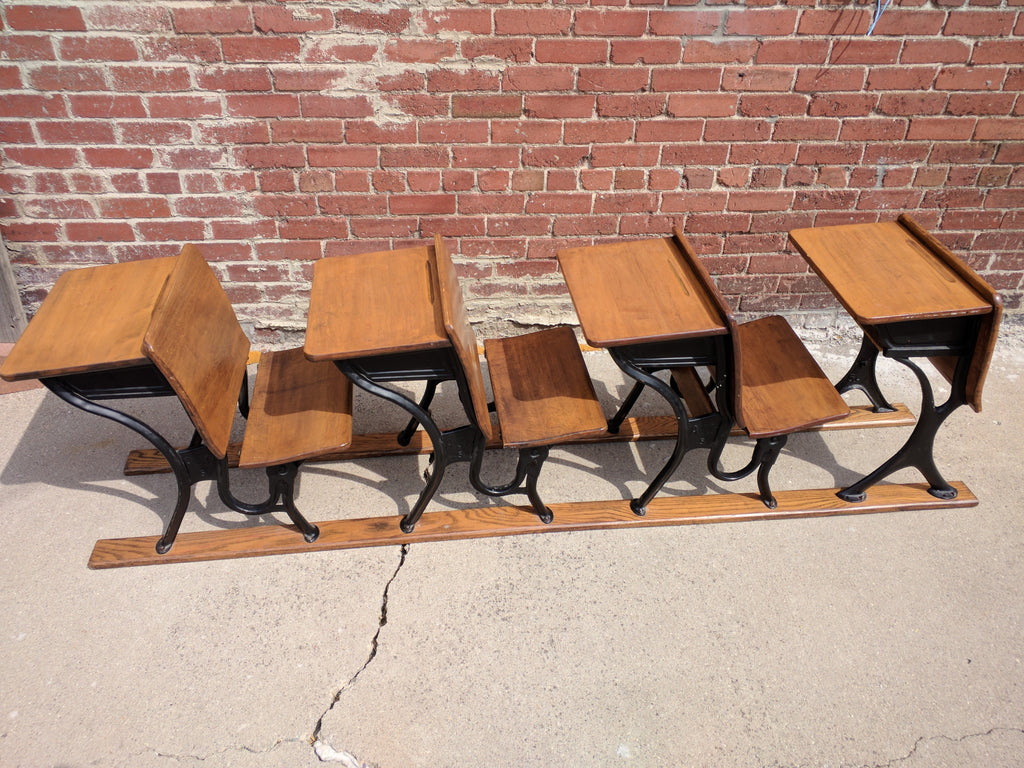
94	319
635	292
883	273
374	304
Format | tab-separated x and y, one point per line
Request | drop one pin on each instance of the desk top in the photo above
374	304
94	319
883	273
636	292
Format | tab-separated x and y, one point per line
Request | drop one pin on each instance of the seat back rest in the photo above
195	340
460	332
700	271
986	343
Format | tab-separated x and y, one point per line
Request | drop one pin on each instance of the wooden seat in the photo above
543	394
776	386
299	409
542	391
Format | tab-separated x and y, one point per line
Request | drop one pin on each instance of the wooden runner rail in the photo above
486	522
150	461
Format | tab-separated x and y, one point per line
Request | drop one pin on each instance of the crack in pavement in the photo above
953	739
325	752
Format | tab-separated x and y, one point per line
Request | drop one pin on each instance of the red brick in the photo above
758	79
342	157
367	132
98	48
687	80
633	155
574	226
308	131
494	203
635	105
150	79
285	205
183	106
305	19
315	228
770	105
761	22
16	132
866	51
212	20
701	200
910	22
504	48
472	20
45	17
935	51
173	230
103	231
241	49
263	105
912	103
646	51
901	78
68	78
782	153
597	131
737	129
455	132
315	105
941	128
421	204
149	19
817	80
26	48
118	157
998	52
543	106
414	156
487	106
321	52
559	202
532	78
678	23
804	52
671	131
197	49
610	23
531	132
534	21
837	154
970	78
287	156
419	51
571	51
393	21
472	80
980	23
76	132
993	129
386	226
234	79
873	129
725	52
33	105
612	79
985	103
134	207
486	157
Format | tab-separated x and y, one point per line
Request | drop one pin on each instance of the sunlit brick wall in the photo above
277	133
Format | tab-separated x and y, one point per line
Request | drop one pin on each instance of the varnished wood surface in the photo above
542	391
195	340
94	319
511	521
374	303
299	409
784	389
882	273
638	291
147	461
982	356
460	334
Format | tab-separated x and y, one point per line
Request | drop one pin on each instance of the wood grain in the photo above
638	291
195	340
511	521
93	319
299	409
374	303
147	461
542	390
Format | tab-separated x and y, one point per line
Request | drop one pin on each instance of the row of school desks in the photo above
378	318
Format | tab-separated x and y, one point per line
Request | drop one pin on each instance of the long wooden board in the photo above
511	521
148	461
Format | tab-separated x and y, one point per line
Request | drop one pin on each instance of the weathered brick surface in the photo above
276	133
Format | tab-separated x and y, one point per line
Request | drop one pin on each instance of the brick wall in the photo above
276	133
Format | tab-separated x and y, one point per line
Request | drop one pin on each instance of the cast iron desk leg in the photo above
639	505
862	376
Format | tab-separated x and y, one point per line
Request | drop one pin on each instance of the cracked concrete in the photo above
886	640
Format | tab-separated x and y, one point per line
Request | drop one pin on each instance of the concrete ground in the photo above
876	640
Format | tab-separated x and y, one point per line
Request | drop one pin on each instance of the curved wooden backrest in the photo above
195	340
460	332
989	331
702	275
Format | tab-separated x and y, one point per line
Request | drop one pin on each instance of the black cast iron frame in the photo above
189	465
